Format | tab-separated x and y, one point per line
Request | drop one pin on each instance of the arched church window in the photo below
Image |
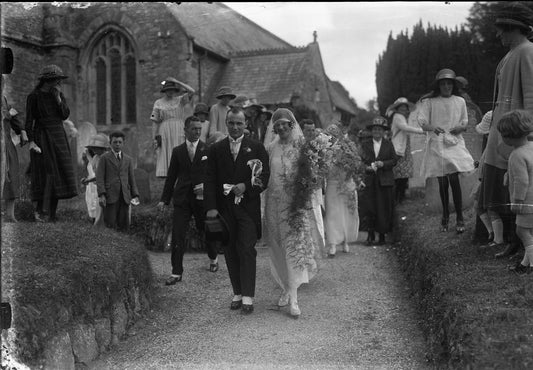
113	79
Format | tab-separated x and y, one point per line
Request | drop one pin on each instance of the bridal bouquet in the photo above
314	160
257	168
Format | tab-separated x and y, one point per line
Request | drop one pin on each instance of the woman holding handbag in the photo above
443	115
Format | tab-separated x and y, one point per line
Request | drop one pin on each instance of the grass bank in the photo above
475	313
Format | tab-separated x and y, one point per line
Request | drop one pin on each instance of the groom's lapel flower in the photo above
247	149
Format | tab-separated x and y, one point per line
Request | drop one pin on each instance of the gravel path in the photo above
356	314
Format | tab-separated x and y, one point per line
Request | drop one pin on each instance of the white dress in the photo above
342	217
440	158
170	115
282	160
91	193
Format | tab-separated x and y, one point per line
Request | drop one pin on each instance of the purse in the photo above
449	139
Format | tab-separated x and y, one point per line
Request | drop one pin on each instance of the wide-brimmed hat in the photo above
225	91
515	14
394	106
201	108
171	83
268	113
378	122
98	141
258	107
52	72
240	100
217	229
463	82
445	73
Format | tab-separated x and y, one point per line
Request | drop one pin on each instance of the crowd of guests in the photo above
233	167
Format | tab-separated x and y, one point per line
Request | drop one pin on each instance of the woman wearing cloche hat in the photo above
51	167
400	137
513	89
168	117
377	198
443	115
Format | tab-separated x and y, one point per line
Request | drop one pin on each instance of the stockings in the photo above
453	181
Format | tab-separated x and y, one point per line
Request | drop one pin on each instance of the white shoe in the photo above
332	250
283	300
295	310
346	248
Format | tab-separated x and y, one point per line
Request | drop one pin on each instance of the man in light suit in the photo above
115	183
229	190
184	184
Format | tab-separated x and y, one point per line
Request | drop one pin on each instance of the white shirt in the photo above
377	146
117	155
235	145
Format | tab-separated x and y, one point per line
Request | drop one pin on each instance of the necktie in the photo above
118	157
191	151
233	147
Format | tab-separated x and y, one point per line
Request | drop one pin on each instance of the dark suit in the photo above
116	181
244	219
377	198
188	174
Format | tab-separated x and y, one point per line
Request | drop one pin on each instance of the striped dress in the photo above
52	170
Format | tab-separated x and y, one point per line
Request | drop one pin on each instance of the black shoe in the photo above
460	228
173	280
381	239
235	305
213	267
371	238
520	269
509	251
247	308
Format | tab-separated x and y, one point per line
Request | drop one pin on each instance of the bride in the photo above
283	154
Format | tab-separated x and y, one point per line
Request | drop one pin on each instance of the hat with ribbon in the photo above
515	14
171	83
201	108
397	103
378	122
217	229
52	72
98	141
225	91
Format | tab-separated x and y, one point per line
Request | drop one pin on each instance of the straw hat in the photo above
394	106
172	84
515	14
445	73
378	122
52	72
201	108
98	141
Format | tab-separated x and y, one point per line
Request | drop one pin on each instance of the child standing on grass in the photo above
98	145
514	127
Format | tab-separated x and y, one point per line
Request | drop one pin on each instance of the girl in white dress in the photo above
98	145
283	155
168	117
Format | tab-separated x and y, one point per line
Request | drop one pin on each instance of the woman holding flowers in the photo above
342	216
379	157
293	223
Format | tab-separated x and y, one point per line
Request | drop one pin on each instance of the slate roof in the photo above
340	97
270	77
222	30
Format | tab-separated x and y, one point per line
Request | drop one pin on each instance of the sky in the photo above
351	35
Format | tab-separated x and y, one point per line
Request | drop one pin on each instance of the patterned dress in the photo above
170	115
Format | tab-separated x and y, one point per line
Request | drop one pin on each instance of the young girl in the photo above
514	127
98	144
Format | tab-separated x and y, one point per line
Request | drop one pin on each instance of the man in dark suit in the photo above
115	183
188	165
229	190
377	198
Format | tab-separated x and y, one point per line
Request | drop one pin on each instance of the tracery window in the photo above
113	80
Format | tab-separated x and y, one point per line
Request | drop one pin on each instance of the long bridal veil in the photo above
282	113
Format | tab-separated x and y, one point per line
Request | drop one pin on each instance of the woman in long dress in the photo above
283	156
168	117
342	215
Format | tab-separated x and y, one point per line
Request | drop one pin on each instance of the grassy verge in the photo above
476	314
64	272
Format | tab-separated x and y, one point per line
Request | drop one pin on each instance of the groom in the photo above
230	192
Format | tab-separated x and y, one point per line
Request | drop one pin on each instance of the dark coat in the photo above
116	179
222	169
384	176
187	173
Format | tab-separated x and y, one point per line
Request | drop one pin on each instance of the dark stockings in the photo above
401	186
453	181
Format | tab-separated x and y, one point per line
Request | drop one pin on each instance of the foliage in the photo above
476	314
313	162
58	277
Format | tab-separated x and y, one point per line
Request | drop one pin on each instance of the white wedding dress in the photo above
277	199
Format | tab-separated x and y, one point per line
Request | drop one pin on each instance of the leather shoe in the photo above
173	280
235	305
520	269
213	267
247	308
508	251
